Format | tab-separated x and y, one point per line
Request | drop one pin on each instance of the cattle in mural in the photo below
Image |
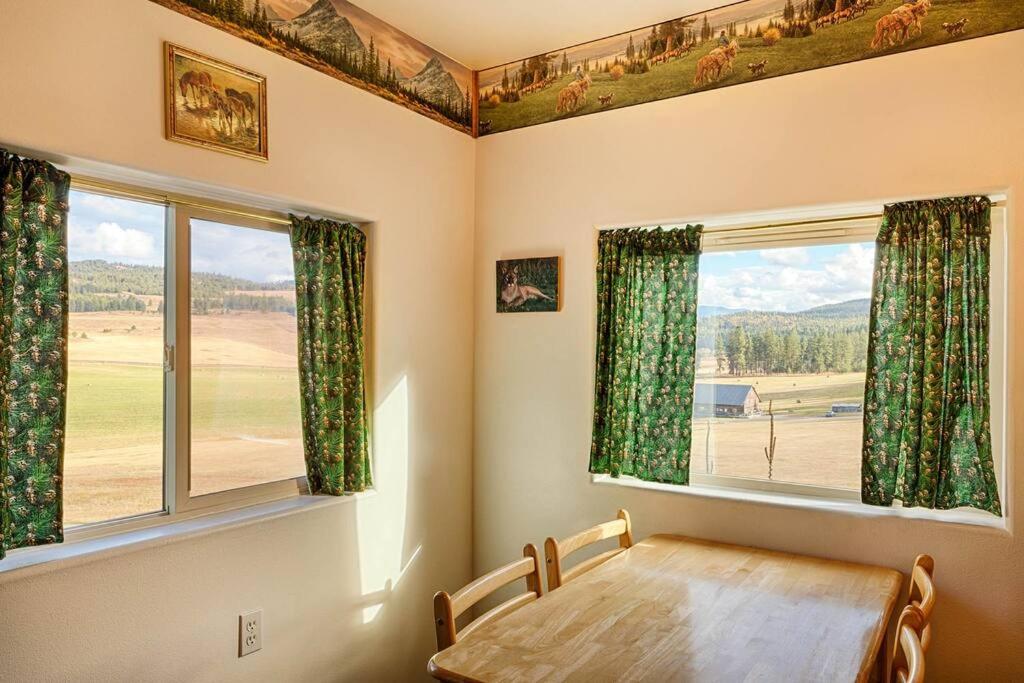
696	53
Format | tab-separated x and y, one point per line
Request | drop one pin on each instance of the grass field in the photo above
846	42
245	403
246	421
810	448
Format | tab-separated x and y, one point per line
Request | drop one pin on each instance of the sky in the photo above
132	232
787	279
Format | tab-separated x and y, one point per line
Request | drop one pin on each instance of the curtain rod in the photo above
130	192
998	201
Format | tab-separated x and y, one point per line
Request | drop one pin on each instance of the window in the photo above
246	426
781	353
183	389
114	451
782	338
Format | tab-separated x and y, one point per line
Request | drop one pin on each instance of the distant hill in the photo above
849	315
98	285
830	338
853	307
104	277
712	311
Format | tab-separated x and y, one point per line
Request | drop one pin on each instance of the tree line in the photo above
831	338
98	285
796	351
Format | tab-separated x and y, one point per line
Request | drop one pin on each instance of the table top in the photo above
681	609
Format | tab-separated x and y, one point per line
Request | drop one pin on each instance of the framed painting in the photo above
214	104
528	285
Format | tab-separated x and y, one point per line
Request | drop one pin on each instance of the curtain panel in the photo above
926	407
330	261
33	350
646	339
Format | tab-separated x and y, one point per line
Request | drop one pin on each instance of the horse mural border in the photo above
172	51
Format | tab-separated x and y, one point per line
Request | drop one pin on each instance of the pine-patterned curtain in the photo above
33	350
926	416
330	259
646	340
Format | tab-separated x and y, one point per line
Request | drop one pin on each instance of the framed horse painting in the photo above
215	105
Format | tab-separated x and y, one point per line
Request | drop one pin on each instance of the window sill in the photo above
854	508
25	562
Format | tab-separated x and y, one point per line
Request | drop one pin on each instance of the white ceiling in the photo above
485	33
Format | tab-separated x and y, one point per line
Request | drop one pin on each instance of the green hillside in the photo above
97	285
831	338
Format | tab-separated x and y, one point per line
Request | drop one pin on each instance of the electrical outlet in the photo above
250	632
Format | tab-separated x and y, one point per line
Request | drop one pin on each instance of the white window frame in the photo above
177	384
846	225
178	503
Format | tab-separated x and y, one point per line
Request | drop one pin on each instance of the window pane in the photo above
782	333
113	463
246	425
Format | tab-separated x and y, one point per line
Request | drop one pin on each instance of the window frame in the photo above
750	238
823	226
178	504
178	380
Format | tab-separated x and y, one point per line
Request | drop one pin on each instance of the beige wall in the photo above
946	120
346	589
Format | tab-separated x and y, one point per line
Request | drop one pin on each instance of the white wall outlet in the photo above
250	632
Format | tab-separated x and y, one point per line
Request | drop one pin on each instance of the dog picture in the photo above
527	285
606	100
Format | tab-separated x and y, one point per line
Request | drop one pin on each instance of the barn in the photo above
726	400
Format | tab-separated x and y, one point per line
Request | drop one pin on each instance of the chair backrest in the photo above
908	659
922	594
448	608
556	551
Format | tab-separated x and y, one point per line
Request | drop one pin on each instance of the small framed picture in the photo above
215	105
528	285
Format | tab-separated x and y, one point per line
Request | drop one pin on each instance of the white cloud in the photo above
793	256
96	207
110	240
774	286
855	265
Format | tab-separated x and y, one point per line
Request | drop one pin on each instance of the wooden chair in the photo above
908	662
922	594
556	551
448	608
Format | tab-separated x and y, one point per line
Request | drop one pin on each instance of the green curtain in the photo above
646	339
926	418
330	260
33	350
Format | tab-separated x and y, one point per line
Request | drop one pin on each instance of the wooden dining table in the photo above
672	608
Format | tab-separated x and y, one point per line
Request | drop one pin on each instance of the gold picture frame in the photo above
215	105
